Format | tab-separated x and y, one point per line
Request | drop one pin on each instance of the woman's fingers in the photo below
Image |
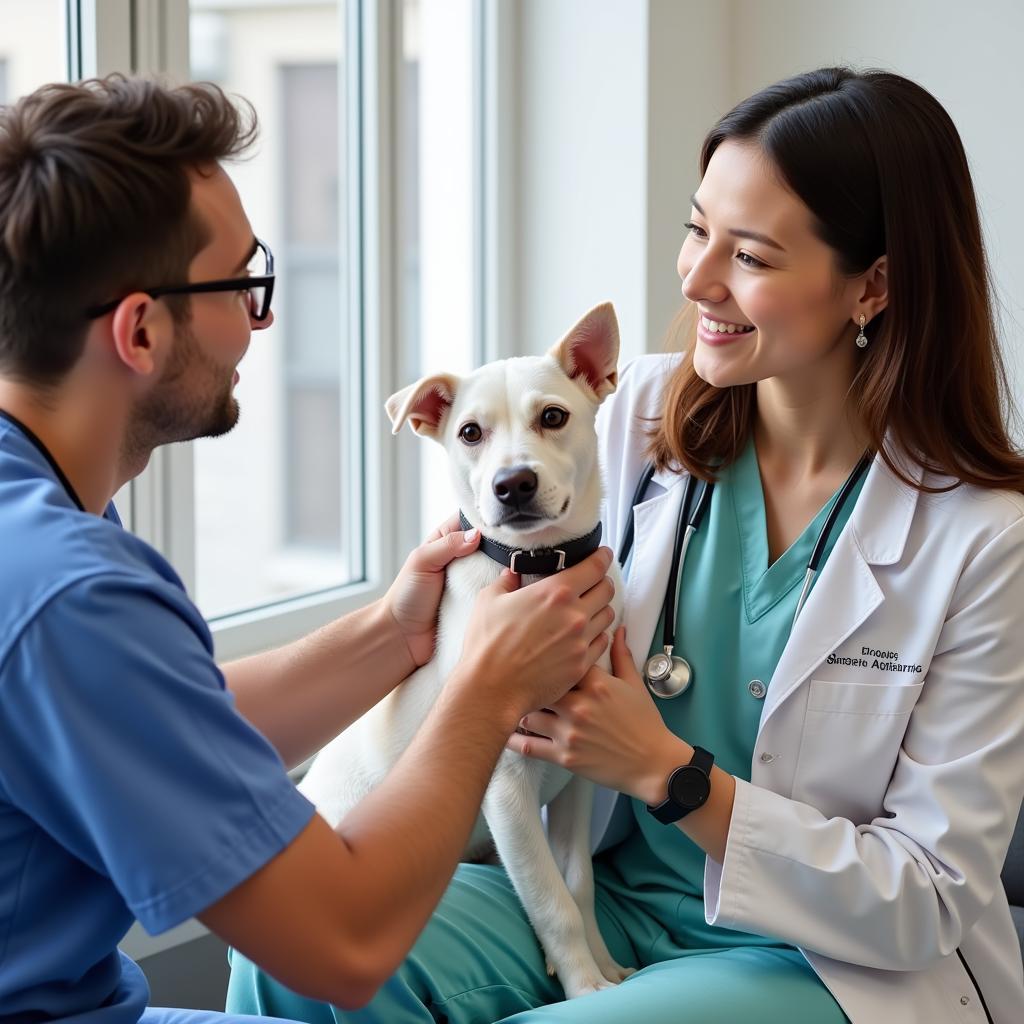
623	665
538	723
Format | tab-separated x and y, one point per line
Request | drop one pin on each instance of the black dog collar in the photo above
542	561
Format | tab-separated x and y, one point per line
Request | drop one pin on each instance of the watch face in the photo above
689	786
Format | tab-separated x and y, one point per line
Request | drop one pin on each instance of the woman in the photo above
841	859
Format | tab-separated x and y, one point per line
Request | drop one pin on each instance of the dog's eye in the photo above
552	418
471	433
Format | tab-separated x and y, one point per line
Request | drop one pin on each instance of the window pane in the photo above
269	496
33	49
439	190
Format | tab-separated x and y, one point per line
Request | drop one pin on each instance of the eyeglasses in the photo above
259	286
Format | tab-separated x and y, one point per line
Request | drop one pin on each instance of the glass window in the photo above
273	497
33	47
439	202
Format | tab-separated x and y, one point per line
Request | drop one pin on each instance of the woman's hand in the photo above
414	597
607	729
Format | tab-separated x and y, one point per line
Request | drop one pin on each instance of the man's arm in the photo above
302	695
333	915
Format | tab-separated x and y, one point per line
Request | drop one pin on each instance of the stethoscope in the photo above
666	674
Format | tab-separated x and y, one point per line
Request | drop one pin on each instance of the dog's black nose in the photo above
515	486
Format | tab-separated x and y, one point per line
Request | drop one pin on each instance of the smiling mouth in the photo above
724	326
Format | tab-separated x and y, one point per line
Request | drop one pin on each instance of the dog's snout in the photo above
515	486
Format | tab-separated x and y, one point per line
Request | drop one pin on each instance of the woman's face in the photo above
772	302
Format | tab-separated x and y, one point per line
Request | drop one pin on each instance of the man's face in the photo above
194	396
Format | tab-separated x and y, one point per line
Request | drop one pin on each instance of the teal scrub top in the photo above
735	616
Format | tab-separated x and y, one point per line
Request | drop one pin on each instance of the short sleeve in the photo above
121	740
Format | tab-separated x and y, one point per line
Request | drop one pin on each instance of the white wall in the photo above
967	54
581	175
616	96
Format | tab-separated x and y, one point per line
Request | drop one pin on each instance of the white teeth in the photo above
723	328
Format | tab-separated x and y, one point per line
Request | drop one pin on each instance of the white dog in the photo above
523	454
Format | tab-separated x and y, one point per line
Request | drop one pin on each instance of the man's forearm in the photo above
407	836
302	695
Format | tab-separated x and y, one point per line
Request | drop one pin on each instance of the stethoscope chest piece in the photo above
667	676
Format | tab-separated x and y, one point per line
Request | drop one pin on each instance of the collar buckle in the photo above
555	551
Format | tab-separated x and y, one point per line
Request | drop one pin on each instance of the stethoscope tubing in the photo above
687	526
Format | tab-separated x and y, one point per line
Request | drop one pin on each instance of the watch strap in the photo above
669	810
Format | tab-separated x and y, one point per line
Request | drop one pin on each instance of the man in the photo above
133	781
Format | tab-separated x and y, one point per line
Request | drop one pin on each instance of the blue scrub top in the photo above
735	616
129	785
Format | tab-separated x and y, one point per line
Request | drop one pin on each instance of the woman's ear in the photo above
874	296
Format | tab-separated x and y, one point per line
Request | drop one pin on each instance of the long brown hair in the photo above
880	165
95	202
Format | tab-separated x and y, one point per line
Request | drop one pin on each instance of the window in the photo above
364	183
274	498
33	46
439	199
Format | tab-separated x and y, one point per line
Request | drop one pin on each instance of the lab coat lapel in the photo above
654	535
846	591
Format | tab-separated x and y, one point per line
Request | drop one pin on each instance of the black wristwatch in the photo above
689	787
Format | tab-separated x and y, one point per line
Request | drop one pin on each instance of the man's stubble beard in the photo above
188	402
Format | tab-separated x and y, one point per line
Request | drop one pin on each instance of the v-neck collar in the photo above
764	585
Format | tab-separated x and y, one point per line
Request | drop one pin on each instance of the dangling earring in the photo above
862	338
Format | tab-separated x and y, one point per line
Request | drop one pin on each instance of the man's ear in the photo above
424	404
590	351
139	328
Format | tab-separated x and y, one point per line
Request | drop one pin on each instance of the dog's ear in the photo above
424	404
590	351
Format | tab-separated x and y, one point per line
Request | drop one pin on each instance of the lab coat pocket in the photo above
851	737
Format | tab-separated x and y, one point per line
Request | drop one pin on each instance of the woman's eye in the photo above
553	418
695	229
471	433
749	261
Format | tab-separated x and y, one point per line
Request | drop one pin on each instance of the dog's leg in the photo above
569	835
511	810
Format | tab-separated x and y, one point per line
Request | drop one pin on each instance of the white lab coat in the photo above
882	796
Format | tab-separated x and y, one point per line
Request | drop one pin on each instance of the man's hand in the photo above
414	597
527	647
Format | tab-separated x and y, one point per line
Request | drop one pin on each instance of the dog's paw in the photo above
615	973
585	976
581	985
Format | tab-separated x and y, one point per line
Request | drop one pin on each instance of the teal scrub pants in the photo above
478	962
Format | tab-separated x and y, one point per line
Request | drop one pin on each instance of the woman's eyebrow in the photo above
754	236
